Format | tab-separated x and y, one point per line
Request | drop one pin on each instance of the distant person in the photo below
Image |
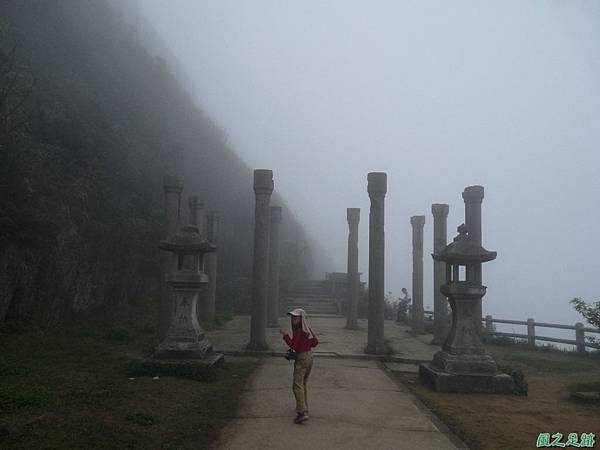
403	306
302	341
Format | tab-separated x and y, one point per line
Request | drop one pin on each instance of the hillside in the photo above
90	122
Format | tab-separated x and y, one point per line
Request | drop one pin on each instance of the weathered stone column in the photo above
273	302
377	188
353	216
263	188
197	214
173	186
417	223
473	197
440	303
212	234
196	217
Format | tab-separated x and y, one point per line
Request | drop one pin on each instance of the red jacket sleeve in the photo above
314	341
288	341
292	342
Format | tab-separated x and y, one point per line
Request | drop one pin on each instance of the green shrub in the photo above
520	385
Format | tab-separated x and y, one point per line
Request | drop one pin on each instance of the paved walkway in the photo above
354	404
334	339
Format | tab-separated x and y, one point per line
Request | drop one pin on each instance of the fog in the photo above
440	95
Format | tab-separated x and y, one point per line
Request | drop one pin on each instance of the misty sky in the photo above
440	95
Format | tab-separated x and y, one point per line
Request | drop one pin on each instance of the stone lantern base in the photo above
185	340
474	376
177	350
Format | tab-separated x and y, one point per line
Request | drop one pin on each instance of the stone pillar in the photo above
353	216
417	223
212	234
173	186
273	303
440	303
197	214
473	197
377	188
263	188
531	333
580	337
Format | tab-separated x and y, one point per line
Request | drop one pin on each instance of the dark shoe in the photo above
301	417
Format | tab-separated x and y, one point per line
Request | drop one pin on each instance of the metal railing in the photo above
531	337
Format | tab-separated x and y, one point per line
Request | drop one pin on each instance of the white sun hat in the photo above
299	312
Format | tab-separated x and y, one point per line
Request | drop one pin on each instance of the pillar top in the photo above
353	215
417	221
172	183
213	215
195	202
263	181
377	183
440	209
473	193
275	214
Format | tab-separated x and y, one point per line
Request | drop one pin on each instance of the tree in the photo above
590	311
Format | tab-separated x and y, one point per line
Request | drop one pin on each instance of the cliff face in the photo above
90	122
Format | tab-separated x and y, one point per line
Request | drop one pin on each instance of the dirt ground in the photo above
490	421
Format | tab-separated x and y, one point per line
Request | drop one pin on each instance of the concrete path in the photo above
334	339
354	404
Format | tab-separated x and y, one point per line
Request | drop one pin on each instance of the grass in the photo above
71	390
490	422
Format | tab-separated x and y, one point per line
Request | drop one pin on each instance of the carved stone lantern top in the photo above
189	247
187	241
464	251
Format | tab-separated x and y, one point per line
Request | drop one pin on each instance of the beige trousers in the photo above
302	367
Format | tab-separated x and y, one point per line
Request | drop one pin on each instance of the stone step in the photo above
312	301
305	307
311	282
309	294
321	286
312	306
311	291
326	316
306	303
313	311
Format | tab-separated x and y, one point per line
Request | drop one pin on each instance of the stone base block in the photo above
204	369
482	363
587	397
465	382
380	348
257	347
172	349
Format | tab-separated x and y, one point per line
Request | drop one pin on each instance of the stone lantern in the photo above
185	338
463	365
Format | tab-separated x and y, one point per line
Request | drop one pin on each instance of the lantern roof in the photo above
464	250
188	241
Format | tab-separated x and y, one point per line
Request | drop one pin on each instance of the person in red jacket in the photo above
303	339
